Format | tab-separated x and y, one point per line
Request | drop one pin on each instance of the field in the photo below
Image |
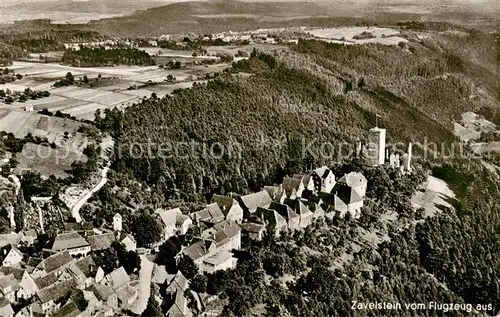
111	90
45	160
347	35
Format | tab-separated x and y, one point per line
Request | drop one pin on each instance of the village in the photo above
67	282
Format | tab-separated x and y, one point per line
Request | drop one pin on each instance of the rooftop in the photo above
71	240
101	241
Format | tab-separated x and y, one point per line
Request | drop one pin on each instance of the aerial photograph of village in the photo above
249	158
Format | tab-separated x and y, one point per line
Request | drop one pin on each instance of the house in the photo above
177	283
251	202
27	287
199	251
101	241
9	286
87	271
49	296
127	295
307	181
277	193
117	278
212	214
10	239
305	215
174	222
29	237
68	310
74	243
129	243
228	235
6	308
221	260
105	294
293	187
356	181
254	230
344	200
13	257
55	263
323	179
179	307
160	274
291	217
316	209
46	281
274	222
229	207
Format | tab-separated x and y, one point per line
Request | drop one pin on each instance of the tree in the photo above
85	79
199	283
167	252
187	267
107	259
153	309
146	230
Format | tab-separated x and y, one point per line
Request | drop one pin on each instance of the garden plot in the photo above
111	98
87	94
45	160
14	122
63	105
141	93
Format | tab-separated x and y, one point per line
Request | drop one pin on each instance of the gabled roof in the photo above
46	281
305	178
6	308
198	249
211	214
101	292
87	266
68	310
9	281
322	171
272	217
284	211
70	240
255	200
18	273
275	192
10	238
252	227
178	283
168	217
353	179
298	206
118	278
55	261
159	274
101	241
125	292
219	257
56	291
179	308
347	194
29	285
291	184
225	203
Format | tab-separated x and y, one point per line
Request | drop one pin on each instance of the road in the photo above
75	210
145	275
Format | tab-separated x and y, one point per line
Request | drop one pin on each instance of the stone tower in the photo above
376	146
117	222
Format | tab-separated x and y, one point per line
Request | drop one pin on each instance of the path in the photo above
75	210
145	274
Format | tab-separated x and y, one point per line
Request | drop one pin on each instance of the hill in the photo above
218	16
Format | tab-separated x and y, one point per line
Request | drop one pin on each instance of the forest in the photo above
95	57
